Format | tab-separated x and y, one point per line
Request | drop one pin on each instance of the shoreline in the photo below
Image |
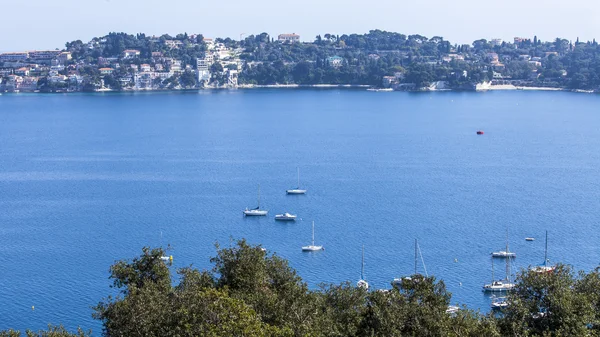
482	87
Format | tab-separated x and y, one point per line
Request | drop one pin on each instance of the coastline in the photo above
481	87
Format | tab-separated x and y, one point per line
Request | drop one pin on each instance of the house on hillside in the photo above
131	53
106	71
335	61
288	38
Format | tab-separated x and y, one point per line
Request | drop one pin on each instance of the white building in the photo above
43	54
8	57
232	78
203	70
288	37
64	57
131	53
496	42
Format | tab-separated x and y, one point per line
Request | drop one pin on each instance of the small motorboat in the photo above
499	303
452	309
503	253
529	239
480	132
285	217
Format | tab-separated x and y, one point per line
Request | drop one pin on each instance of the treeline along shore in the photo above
253	292
379	59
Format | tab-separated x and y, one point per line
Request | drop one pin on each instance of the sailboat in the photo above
398	281
164	258
504	253
296	190
362	283
312	247
500	285
256	211
544	267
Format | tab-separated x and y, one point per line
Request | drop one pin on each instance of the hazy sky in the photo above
48	24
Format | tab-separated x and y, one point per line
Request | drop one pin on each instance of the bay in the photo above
87	179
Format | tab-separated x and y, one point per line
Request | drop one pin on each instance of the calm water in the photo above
89	179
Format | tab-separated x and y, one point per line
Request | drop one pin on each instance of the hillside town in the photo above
122	62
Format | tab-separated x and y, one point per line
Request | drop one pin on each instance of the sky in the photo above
48	24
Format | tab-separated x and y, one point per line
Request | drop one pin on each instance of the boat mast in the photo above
313	233
258	195
507	258
416	258
507	239
362	268
298	177
546	251
492	270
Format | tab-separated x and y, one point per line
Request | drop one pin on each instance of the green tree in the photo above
548	304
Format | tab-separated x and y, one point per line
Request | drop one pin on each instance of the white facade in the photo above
203	70
289	37
44	54
7	57
496	42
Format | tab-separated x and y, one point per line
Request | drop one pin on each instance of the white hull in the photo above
285	217
452	309
498	286
295	191
255	212
504	254
499	303
543	269
363	284
311	248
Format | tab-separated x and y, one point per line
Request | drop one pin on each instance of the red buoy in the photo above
480	132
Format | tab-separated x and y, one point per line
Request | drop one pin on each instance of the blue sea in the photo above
88	179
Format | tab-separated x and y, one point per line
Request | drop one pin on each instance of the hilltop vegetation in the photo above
250	292
377	58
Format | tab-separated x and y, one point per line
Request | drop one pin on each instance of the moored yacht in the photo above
296	190
362	283
397	282
285	217
499	303
256	211
312	247
544	267
504	253
500	285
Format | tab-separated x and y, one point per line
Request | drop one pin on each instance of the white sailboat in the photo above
312	247
296	190
544	267
504	253
256	211
362	283
500	285
398	281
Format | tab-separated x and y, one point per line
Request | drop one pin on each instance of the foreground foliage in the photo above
250	292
